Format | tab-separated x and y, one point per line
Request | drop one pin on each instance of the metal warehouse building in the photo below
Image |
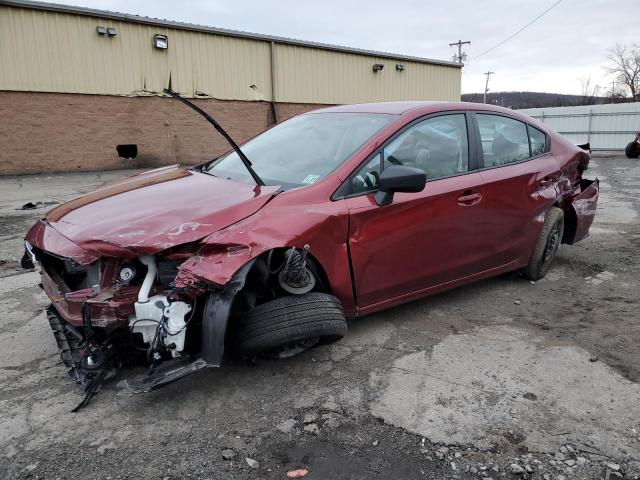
75	83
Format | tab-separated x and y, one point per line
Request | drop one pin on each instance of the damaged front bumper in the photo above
101	324
162	375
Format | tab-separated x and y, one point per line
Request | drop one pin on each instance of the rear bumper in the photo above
583	205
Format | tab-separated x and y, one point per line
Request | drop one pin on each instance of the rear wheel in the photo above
289	325
547	245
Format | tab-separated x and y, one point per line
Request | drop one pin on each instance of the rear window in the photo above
504	140
538	141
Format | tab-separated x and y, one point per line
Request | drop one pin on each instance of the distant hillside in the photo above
518	100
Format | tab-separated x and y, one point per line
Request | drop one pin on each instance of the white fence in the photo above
605	127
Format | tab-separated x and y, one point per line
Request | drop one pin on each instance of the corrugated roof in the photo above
55	7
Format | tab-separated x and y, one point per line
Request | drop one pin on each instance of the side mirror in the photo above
399	178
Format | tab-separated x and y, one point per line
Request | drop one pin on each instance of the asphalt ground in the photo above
499	379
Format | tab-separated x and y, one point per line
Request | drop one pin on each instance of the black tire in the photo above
289	320
632	150
547	245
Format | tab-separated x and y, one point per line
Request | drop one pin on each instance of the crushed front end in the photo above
108	312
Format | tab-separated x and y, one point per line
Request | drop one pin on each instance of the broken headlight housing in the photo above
126	274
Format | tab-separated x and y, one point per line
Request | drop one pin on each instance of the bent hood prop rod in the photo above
217	126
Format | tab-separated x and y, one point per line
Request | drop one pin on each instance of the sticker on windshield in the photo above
310	178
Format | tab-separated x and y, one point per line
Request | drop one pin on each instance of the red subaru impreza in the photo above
330	215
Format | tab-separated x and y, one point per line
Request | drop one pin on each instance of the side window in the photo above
368	177
437	145
504	140
538	141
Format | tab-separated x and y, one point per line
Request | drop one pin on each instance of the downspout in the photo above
274	110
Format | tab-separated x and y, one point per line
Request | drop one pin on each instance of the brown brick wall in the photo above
288	110
47	132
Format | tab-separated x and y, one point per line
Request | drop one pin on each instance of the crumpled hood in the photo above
156	210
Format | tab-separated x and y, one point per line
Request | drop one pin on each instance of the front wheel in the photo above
288	325
547	245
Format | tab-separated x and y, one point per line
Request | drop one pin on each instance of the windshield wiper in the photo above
217	126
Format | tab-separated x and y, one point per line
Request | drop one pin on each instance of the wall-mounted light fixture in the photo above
111	31
400	67
160	41
377	67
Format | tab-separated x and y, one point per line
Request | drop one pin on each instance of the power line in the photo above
516	33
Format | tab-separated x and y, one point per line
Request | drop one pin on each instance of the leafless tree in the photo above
617	93
624	65
589	91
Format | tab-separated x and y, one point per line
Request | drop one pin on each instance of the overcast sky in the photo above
554	54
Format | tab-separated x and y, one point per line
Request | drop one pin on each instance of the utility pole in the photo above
486	85
461	56
613	92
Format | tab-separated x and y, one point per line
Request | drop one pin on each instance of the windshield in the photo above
302	150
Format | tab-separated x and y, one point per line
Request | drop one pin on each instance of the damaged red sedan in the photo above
330	215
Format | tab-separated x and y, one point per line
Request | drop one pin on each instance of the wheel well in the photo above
262	283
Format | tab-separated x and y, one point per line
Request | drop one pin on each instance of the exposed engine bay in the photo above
162	328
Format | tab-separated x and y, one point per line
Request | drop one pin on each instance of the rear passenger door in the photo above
518	173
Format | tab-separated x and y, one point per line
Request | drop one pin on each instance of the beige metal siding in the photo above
43	51
57	52
310	75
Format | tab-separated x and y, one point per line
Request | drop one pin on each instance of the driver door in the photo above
421	240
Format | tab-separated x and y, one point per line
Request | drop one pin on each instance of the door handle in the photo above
469	199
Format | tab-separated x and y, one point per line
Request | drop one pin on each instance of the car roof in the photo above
392	108
418	108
